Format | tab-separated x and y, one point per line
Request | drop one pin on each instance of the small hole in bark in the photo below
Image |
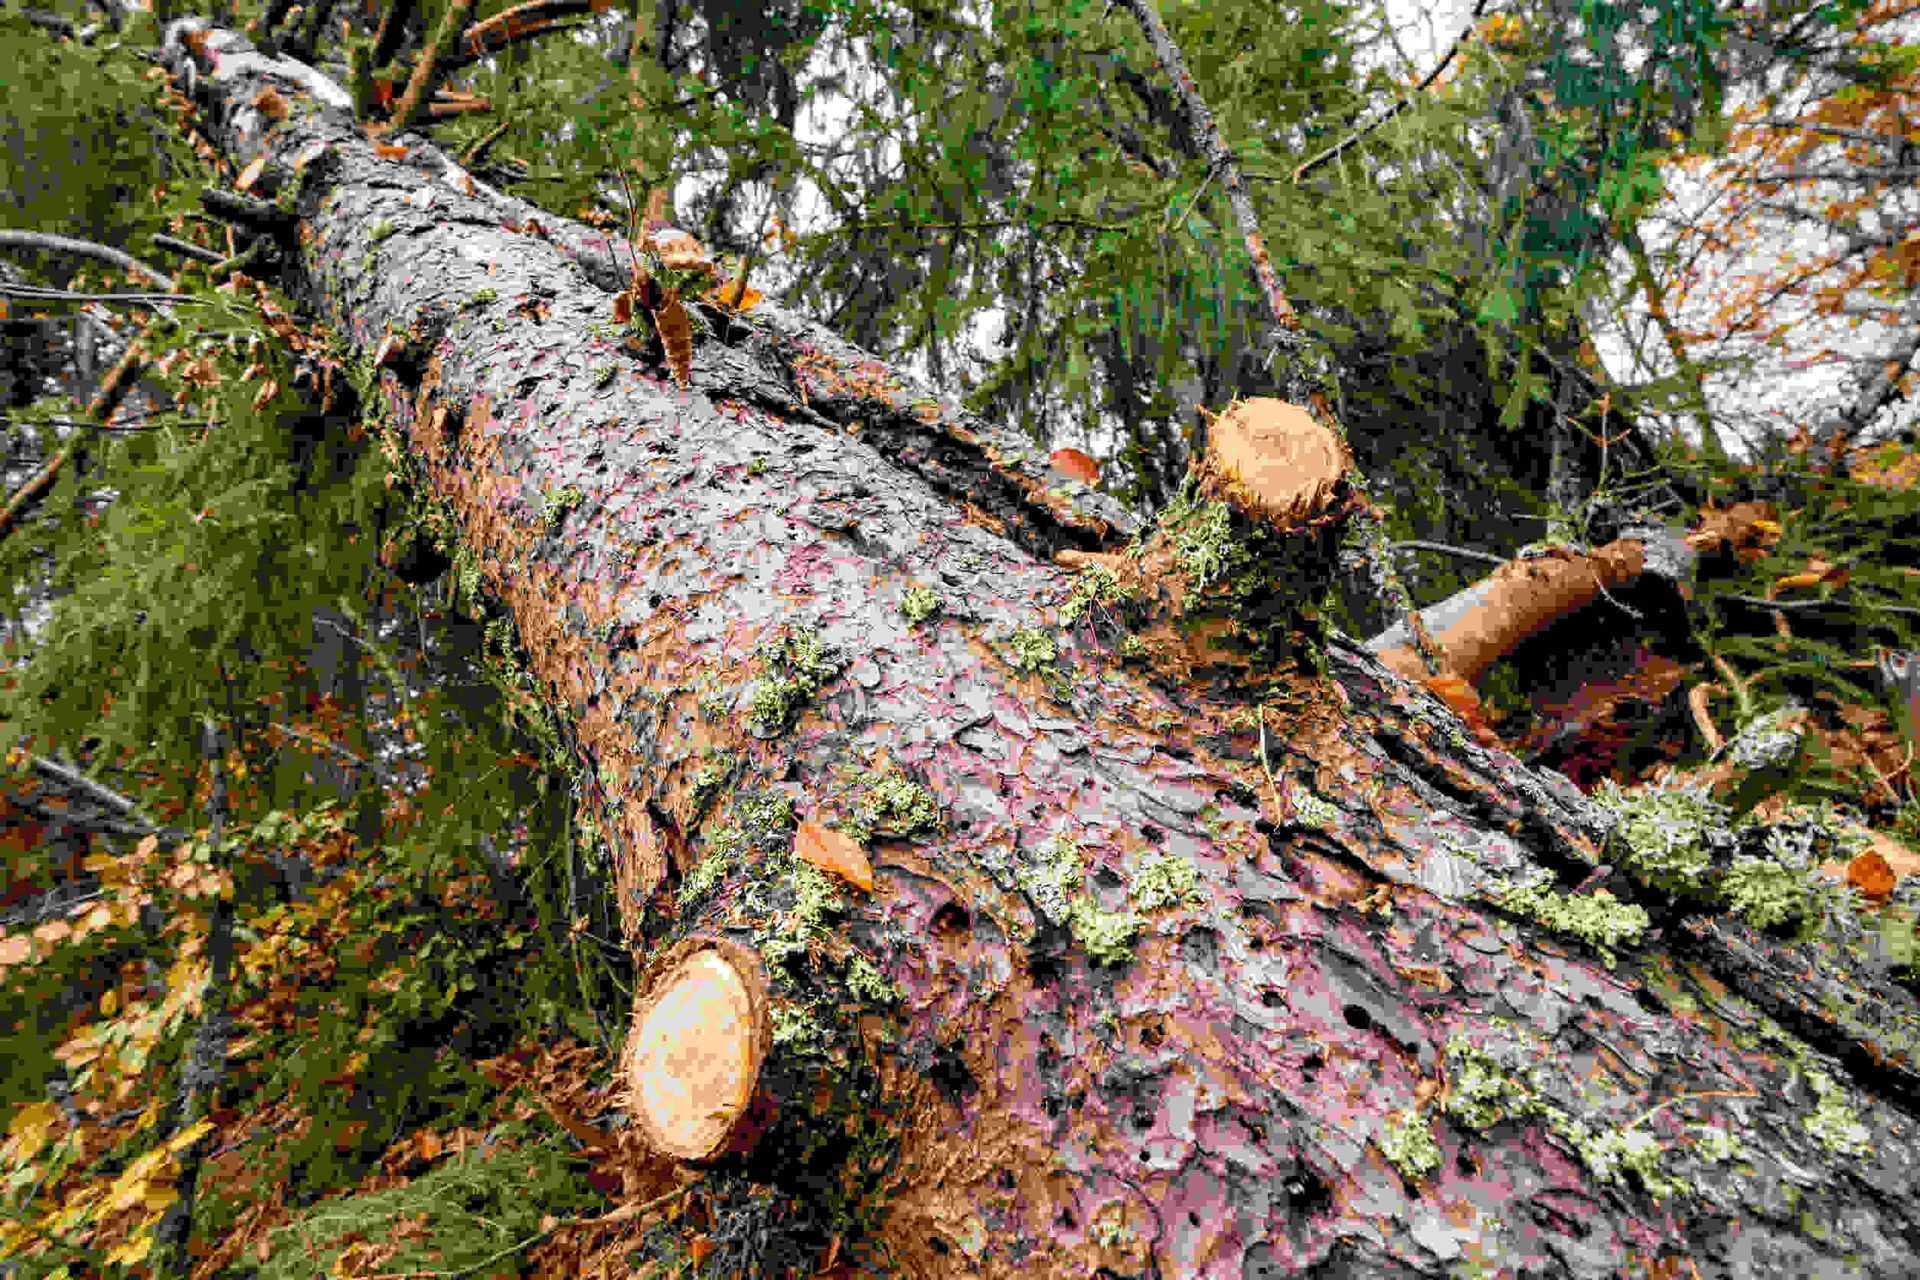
1466	1164
1152	835
1193	1219
1311	1067
1357	1018
1053	1107
1005	1179
939	1246
1264	826
1151	1035
653	601
1143	1119
1648	1001
951	922
1067	1220
1272	998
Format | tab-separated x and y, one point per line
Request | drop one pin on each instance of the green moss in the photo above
1165	881
758	467
1132	646
1032	650
604	375
1096	584
381	230
918	604
1598	919
485	294
1407	1140
795	665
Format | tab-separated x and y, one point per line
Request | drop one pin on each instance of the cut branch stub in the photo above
1275	463
694	1052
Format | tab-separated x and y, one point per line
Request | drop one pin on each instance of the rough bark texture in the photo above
1215	1105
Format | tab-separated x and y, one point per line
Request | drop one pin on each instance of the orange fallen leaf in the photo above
251	174
834	851
1870	874
1076	465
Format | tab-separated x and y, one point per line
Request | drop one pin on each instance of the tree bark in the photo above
709	584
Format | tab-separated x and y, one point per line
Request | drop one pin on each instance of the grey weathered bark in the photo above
1033	1103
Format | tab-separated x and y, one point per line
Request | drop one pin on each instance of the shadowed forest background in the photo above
312	963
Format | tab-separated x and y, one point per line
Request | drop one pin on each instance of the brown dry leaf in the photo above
389	151
271	104
834	851
676	334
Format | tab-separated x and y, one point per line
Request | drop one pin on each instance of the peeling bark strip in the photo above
1153	978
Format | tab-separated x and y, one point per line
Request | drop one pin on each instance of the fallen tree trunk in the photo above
1076	965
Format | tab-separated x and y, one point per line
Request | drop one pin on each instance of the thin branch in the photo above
1448	549
1339	148
50	243
113	389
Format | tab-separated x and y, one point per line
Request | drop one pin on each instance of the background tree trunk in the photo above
709	585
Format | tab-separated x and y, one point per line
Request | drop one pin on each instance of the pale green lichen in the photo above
1834	1124
893	805
1132	646
1203	539
1407	1140
796	665
1614	1153
1165	880
795	1028
1598	919
1310	810
1056	886
381	230
1106	936
866	982
917	604
1766	892
1667	831
1489	1082
604	375
485	294
793	932
1096	584
1766	742
754	819
709	778
1032	650
555	505
1714	1144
